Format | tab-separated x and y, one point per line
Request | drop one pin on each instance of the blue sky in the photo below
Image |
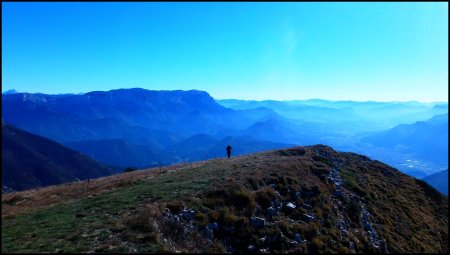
339	51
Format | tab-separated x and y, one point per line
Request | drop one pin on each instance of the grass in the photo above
122	213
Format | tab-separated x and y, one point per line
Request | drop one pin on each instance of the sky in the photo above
386	51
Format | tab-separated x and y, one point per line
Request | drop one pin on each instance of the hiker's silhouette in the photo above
229	150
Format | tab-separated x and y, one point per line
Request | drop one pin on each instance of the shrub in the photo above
129	169
241	199
354	212
144	219
317	244
213	215
175	206
252	183
264	196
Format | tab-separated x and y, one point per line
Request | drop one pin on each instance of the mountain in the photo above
347	117
30	161
72	118
439	181
11	91
427	140
304	199
120	153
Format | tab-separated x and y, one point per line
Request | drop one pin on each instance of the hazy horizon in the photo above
257	100
251	51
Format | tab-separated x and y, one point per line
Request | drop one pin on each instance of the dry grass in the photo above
229	191
23	201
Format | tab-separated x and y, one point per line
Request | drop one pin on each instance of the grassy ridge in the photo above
126	213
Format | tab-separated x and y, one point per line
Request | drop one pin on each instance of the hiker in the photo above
229	150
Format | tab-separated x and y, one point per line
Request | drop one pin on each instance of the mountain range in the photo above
143	128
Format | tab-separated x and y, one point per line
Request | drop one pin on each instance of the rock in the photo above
271	212
290	206
297	238
307	206
337	193
262	240
351	246
187	214
166	211
308	218
257	222
368	227
251	248
275	204
213	226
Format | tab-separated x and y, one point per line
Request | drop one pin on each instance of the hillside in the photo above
30	161
118	152
303	199
439	181
426	139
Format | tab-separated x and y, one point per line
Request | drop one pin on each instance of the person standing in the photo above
229	150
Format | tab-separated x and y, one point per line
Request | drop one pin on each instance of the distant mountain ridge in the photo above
428	139
11	91
439	181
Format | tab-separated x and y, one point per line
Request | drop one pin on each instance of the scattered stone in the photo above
257	222
337	193
213	226
351	246
187	214
298	238
307	206
290	206
271	212
262	240
308	218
